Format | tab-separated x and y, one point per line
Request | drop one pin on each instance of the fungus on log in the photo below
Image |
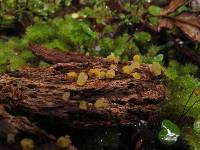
37	93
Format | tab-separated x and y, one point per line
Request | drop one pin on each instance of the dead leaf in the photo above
189	23
165	23
189	18
173	5
195	5
115	5
192	31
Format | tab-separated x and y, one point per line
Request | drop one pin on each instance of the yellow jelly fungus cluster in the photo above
127	69
136	75
101	103
110	74
2	110
196	92
135	65
72	74
94	72
83	105
64	141
82	79
112	59
136	58
102	74
113	67
27	144
10	138
66	96
156	69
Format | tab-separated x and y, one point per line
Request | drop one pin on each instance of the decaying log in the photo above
36	93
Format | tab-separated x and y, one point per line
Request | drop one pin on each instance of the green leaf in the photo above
16	63
150	60
154	21
154	10
169	133
196	125
142	36
68	2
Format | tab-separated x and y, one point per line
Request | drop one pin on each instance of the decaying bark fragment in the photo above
37	93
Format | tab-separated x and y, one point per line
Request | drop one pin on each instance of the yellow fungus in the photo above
110	74
136	75
113	67
82	79
102	74
101	103
130	47
10	138
196	92
136	58
2	110
27	144
64	141
94	72
135	65
72	75
127	69
66	96
87	54
156	69
111	58
83	105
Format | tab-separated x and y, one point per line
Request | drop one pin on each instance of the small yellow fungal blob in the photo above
94	72
10	138
83	105
110	74
114	67
82	79
196	92
64	141
102	74
130	47
27	144
72	75
66	96
136	75
2	110
156	69
136	58
135	65
111	58
101	103
87	54
127	69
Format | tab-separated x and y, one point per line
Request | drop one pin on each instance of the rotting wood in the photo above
37	93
